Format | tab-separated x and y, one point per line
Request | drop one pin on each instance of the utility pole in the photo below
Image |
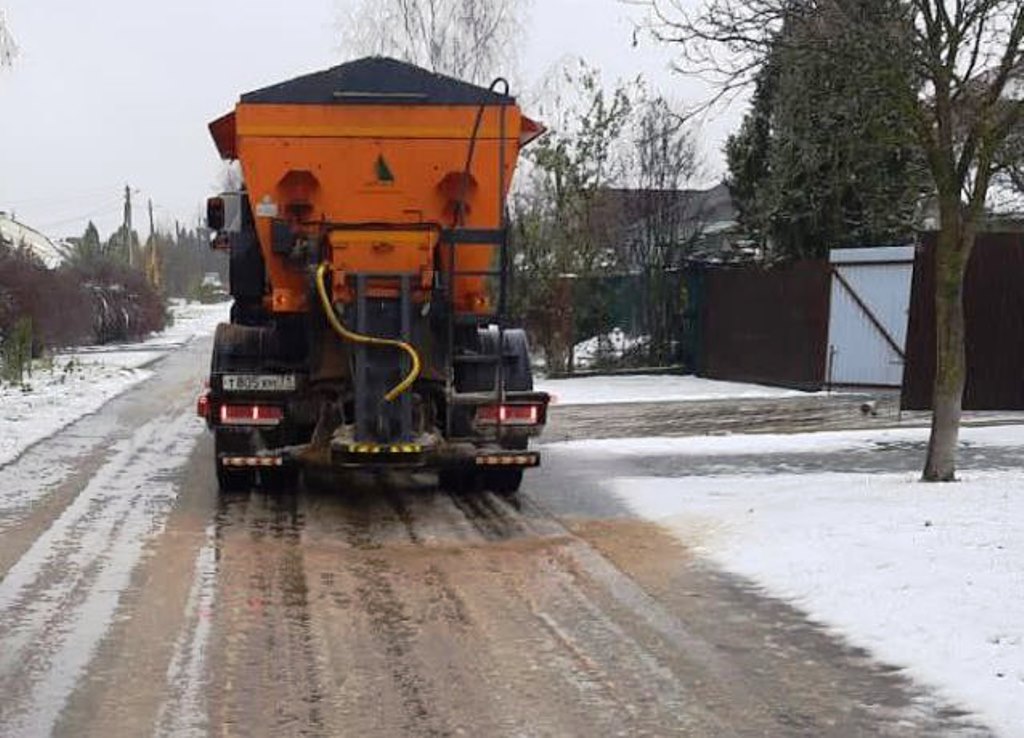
153	255
128	224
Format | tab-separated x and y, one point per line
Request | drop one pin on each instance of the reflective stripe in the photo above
250	462
374	448
528	460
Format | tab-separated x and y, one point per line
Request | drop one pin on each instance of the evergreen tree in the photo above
89	247
827	158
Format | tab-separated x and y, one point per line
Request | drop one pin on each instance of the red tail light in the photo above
509	415
251	414
203	406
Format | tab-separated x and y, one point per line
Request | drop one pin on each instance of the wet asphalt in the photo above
137	600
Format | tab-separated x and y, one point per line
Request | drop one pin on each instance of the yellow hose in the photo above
346	334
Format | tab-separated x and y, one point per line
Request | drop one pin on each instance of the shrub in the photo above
125	306
16	352
97	302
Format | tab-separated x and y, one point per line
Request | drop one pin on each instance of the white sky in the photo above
111	92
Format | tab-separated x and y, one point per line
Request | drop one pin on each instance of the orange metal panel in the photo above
375	121
225	136
381	251
387	165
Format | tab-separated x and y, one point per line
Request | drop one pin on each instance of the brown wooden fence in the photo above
994	309
768	326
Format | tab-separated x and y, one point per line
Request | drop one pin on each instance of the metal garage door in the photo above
868	316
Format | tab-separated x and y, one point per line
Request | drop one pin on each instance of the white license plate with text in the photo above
259	383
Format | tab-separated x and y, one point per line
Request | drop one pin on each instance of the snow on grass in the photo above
81	381
653	388
928	577
612	346
1001	436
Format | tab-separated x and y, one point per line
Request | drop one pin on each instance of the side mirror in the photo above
215	214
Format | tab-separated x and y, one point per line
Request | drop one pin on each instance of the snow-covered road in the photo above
80	382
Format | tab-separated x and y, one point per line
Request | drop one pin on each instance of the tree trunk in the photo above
952	254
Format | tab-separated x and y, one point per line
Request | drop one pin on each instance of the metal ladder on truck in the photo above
451	240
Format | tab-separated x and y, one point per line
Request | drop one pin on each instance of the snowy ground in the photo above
927	577
739	444
80	382
613	346
652	388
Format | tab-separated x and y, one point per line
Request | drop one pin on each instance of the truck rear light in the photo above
267	415
203	406
509	415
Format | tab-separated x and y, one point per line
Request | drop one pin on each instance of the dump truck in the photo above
370	275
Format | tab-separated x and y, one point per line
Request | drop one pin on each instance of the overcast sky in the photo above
110	92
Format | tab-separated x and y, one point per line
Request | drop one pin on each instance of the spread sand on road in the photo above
927	577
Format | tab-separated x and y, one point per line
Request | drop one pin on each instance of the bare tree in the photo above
666	221
474	40
965	104
8	48
560	238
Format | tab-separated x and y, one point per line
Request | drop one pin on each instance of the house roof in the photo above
20	235
704	210
375	80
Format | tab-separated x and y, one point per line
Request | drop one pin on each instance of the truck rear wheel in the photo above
480	377
458	481
279	479
282	479
505	482
228	479
235	480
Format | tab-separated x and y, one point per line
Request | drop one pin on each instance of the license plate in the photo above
259	383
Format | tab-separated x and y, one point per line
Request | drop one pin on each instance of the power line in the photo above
110	207
76	197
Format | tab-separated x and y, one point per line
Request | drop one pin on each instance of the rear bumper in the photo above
441	456
370	457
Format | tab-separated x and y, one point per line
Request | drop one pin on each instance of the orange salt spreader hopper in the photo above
369	164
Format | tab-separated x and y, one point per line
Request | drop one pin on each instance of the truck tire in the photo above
518	373
480	378
518	378
281	479
230	480
459	481
240	348
503	482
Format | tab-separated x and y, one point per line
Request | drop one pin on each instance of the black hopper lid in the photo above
375	80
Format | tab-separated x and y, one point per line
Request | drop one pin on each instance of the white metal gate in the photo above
868	317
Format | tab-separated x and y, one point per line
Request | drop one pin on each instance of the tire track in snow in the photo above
43	469
183	713
57	601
